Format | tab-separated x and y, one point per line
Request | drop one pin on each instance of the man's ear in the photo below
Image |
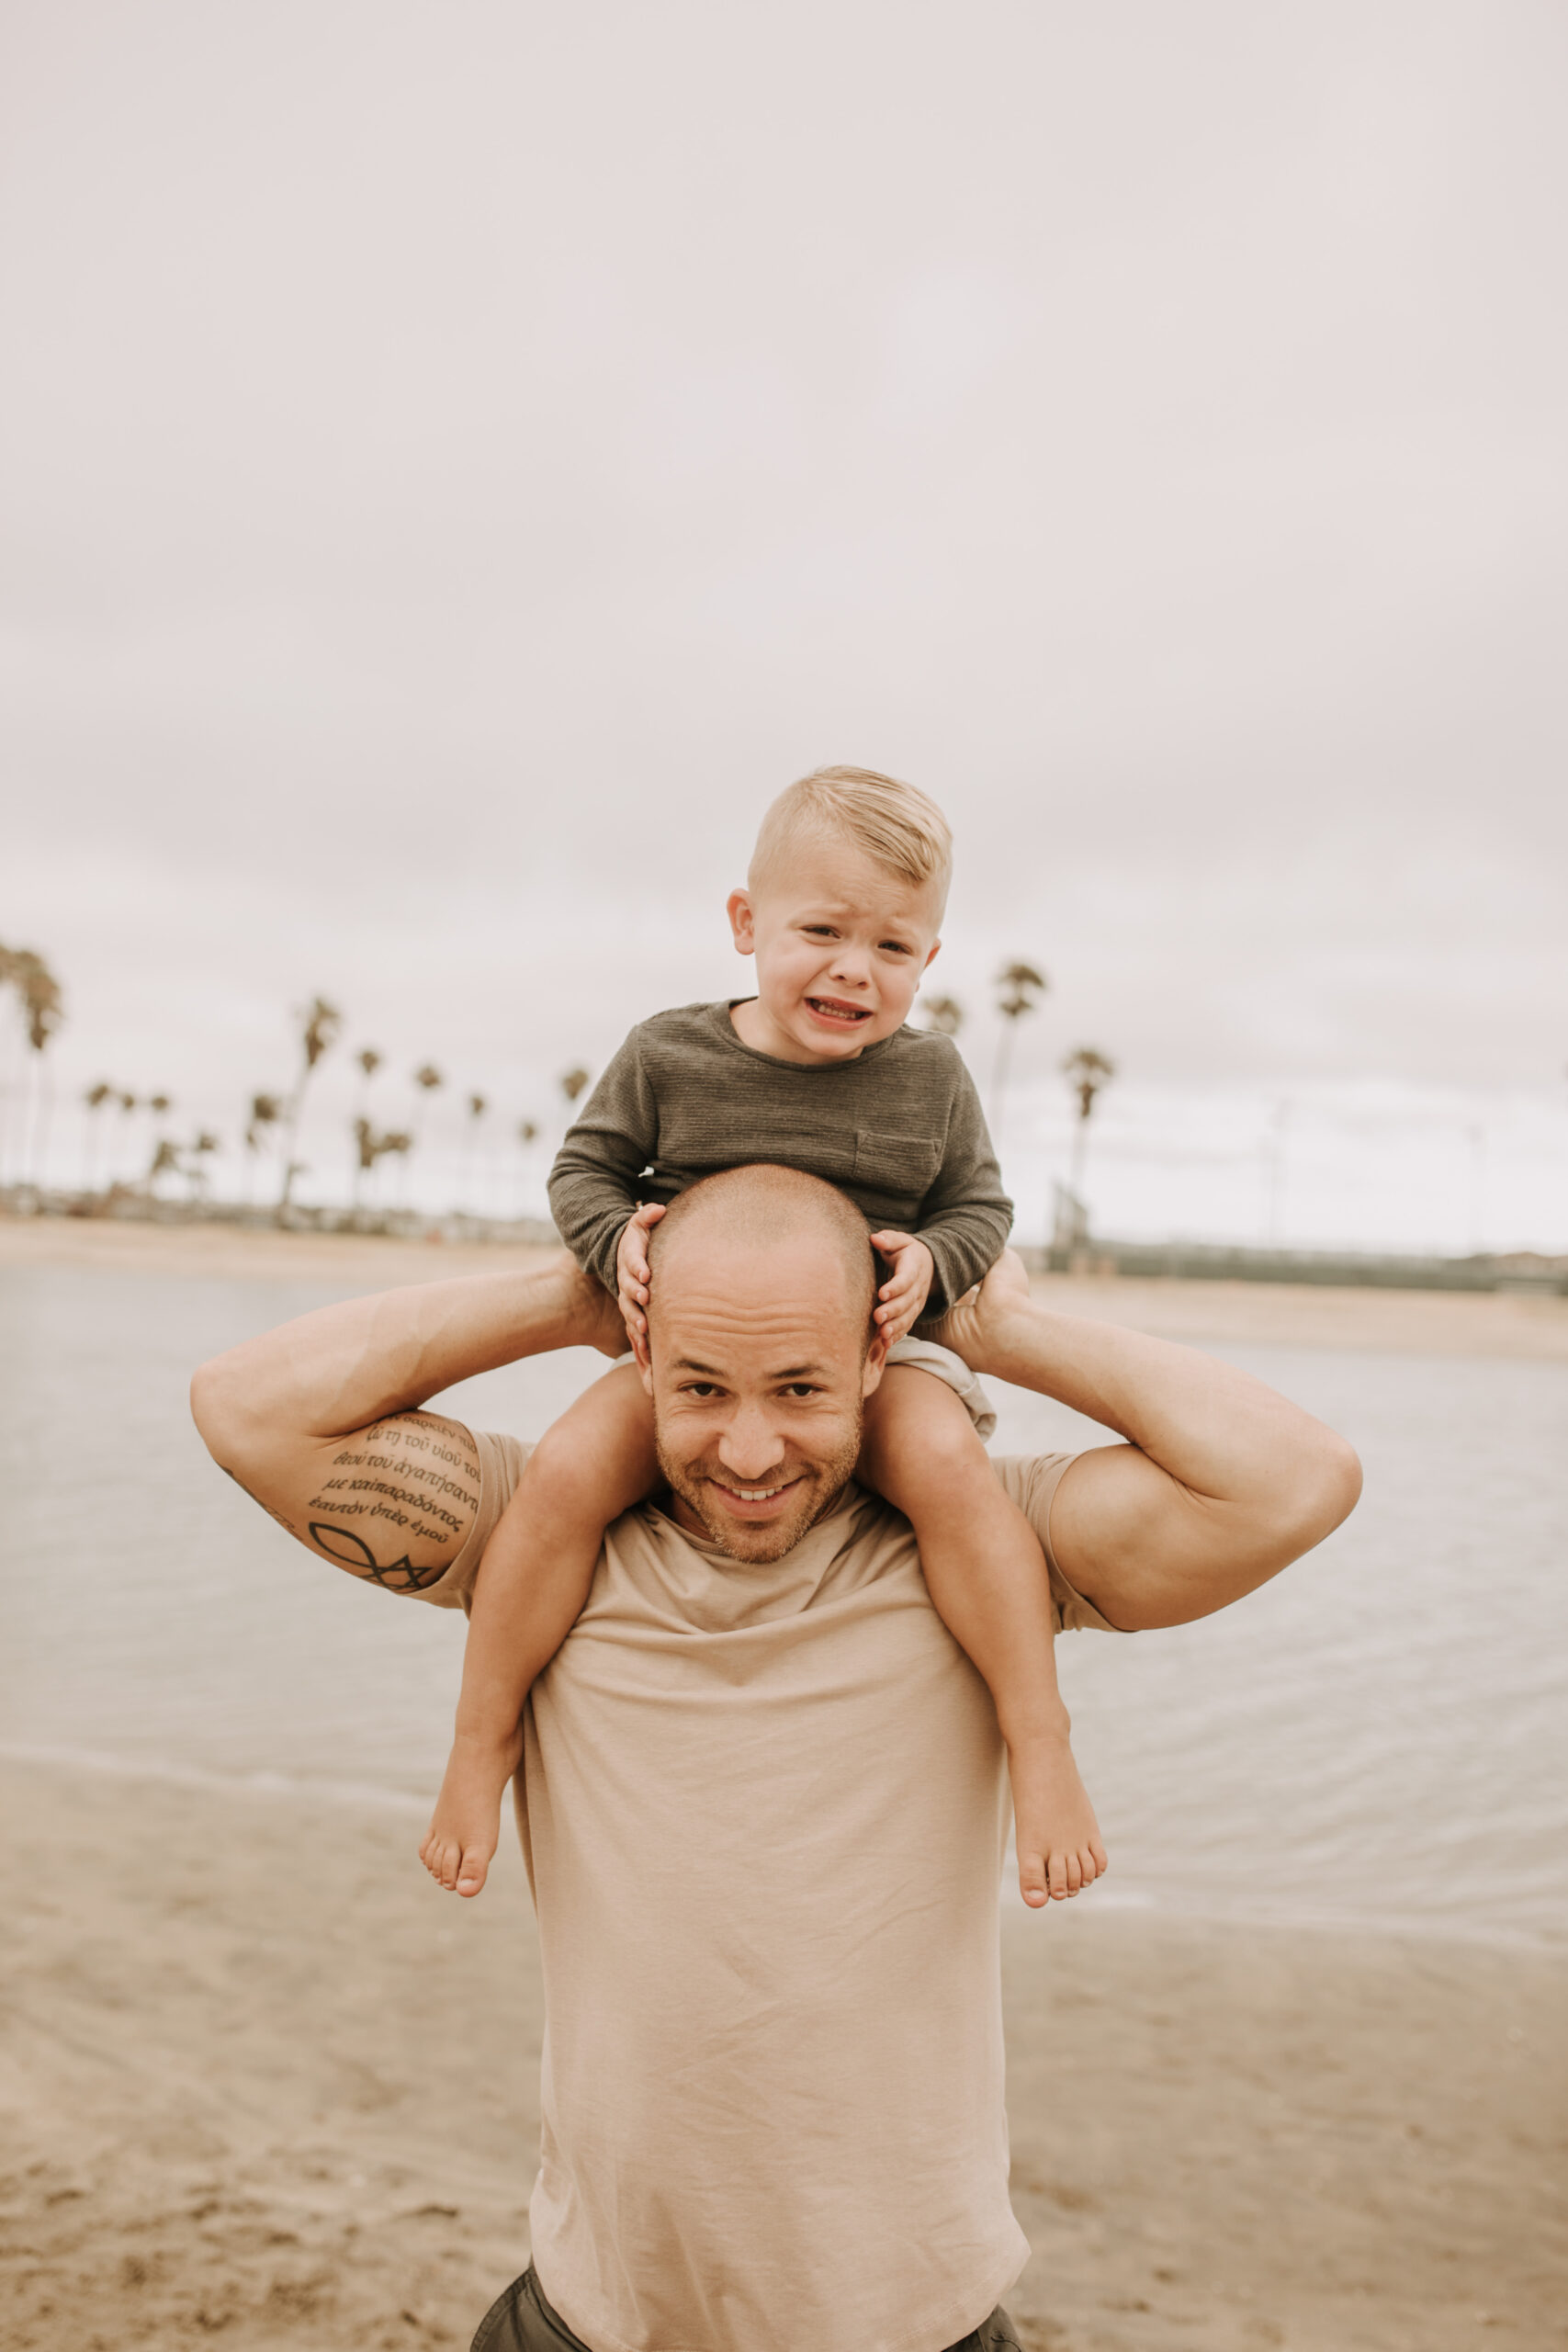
643	1360
876	1365
742	921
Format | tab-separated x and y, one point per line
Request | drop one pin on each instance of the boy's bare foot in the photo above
461	1840
1056	1833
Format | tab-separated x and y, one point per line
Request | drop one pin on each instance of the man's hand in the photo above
901	1298
632	1275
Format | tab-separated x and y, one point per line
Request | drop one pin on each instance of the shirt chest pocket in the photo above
901	1165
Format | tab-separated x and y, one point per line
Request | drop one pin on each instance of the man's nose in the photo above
751	1445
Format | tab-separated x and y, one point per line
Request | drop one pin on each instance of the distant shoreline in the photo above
1453	1323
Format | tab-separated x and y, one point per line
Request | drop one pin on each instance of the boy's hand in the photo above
899	1300
632	1276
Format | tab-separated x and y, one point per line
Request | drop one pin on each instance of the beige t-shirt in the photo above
764	1811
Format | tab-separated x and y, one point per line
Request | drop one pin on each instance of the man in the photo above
762	1796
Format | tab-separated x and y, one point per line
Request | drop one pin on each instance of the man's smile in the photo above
753	1502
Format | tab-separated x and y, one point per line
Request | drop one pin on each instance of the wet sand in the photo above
1284	1314
260	2082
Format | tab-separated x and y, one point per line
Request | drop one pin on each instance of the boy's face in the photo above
840	944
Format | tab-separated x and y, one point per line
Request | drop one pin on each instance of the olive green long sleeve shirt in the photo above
899	1130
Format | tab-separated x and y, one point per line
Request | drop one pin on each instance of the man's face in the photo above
759	1373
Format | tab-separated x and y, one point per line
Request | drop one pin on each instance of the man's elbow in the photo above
1322	1489
217	1406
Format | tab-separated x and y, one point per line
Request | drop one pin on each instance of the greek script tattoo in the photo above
410	1469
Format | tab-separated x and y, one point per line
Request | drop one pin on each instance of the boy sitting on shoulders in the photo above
843	908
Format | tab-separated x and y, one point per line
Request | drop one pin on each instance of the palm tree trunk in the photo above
1080	1149
999	1070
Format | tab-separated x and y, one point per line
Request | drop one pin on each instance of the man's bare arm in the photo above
319	1419
1221	1484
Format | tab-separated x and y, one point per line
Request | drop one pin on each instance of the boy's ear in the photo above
931	953
742	921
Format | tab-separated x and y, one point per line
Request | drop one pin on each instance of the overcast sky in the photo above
460	460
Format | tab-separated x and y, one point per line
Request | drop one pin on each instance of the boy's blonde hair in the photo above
896	826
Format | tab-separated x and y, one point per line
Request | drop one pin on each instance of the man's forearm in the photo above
345	1366
1215	1429
1222	1483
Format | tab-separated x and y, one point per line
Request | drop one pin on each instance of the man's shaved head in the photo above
755	1208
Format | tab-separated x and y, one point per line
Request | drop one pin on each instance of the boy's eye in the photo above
892	947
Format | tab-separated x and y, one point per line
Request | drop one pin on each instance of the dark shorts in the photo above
523	2321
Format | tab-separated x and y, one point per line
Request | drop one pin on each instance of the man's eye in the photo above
801	1388
701	1389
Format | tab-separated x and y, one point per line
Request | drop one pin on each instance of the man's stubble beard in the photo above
772	1539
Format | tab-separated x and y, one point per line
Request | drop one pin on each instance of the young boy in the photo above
842	910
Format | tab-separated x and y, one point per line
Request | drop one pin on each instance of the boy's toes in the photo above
1031	1880
472	1869
1056	1877
1074	1872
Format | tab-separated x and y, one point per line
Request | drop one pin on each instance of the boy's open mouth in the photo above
828	1008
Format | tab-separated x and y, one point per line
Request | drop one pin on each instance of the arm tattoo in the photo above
409	1470
392	1576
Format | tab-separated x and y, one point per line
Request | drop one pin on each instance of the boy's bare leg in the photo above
595	1463
988	1576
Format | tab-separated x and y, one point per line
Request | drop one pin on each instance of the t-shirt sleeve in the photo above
501	1466
1031	1480
966	1217
593	1183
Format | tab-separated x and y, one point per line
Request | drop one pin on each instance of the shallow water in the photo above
1380	1736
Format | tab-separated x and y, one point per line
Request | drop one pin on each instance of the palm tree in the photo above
477	1105
266	1110
528	1133
369	1061
202	1147
1085	1071
944	1014
160	1105
128	1109
1020	989
93	1098
320	1022
42	1008
429	1079
166	1158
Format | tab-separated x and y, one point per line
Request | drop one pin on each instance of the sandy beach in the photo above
1291	1314
262	2082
